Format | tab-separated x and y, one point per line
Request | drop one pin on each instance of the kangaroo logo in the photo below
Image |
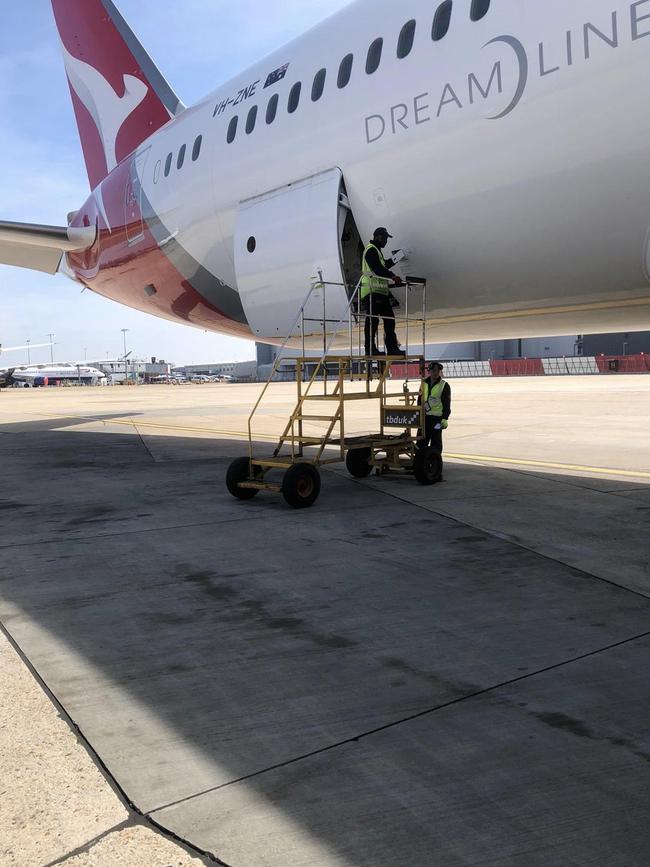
108	110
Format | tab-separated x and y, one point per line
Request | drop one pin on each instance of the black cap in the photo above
434	364
382	230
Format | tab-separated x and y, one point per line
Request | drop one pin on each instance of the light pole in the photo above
126	368
52	336
28	355
85	353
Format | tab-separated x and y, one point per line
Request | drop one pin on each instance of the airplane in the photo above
35	375
504	144
6	373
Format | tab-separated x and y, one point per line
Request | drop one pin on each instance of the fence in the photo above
578	366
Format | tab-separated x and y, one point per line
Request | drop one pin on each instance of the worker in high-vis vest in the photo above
376	297
435	396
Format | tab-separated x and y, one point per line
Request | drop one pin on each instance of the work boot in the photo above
375	352
397	351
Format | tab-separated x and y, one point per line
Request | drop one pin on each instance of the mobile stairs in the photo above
317	430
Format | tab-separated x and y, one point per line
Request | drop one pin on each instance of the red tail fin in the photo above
119	96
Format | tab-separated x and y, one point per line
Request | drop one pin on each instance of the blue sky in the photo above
197	45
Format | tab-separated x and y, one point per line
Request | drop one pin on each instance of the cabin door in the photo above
283	239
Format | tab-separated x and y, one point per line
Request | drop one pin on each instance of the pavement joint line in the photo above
563	480
144	443
621	491
516	542
411	718
135	815
489	459
86	847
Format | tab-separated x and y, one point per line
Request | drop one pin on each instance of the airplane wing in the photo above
18	348
41	248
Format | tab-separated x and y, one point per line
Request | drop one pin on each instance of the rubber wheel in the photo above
427	466
358	463
239	471
301	486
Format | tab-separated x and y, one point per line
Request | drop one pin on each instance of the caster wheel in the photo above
301	486
240	471
427	466
358	463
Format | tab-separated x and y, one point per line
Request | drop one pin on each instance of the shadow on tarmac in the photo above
369	681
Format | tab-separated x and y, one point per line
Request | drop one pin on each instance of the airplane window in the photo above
196	150
374	56
405	41
272	108
168	165
232	129
181	157
441	21
294	97
480	9
250	120
319	85
345	71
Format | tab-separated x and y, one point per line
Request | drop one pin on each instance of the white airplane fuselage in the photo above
511	158
43	374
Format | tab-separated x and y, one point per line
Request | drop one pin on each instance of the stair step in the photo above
335	359
314	441
338	397
261	486
284	462
316	418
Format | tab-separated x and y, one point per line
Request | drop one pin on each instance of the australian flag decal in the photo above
276	76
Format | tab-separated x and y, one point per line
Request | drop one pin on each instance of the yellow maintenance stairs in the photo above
316	433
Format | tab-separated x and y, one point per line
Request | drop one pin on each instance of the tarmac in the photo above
452	675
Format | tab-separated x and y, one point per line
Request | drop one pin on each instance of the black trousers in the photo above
380	306
432	433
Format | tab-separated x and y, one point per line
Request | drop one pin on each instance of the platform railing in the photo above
353	320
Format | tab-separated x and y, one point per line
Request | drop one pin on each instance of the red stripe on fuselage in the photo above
120	270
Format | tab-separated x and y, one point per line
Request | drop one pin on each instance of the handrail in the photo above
321	364
299	318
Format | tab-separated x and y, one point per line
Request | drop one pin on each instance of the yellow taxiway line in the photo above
483	459
486	459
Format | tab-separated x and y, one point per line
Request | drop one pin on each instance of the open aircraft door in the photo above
282	240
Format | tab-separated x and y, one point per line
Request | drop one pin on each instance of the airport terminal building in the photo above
135	370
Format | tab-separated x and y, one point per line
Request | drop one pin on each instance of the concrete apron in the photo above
367	682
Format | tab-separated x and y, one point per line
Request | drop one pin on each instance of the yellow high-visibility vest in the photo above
370	282
432	397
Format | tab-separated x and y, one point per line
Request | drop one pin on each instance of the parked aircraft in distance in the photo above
36	375
502	143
